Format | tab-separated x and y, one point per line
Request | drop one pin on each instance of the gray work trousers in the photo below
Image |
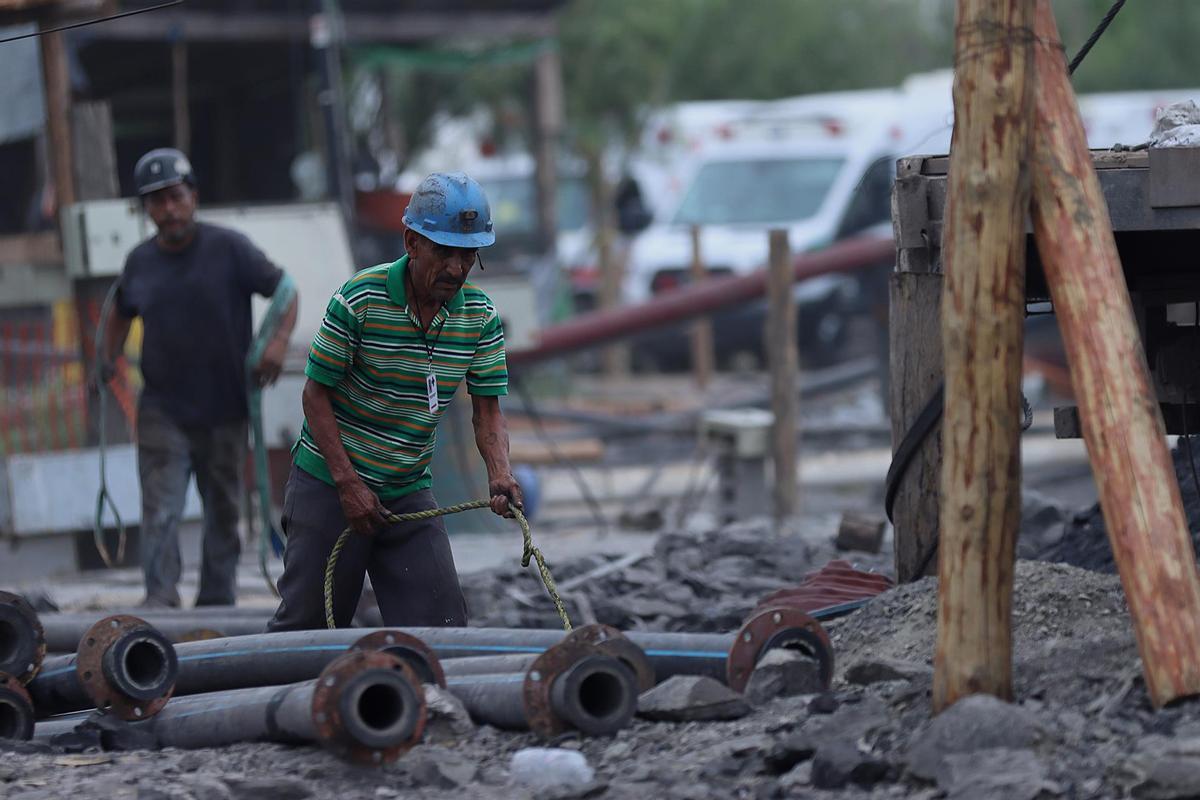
168	455
410	564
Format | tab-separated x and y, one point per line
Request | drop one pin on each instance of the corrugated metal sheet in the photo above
837	582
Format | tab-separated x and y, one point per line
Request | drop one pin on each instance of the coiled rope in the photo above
530	551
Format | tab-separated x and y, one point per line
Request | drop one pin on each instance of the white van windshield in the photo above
514	204
758	191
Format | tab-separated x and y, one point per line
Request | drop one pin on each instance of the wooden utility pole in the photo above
1118	410
982	315
179	95
56	74
782	361
702	331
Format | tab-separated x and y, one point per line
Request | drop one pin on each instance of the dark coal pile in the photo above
698	582
1084	540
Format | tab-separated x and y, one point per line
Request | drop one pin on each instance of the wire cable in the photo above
1096	34
92	21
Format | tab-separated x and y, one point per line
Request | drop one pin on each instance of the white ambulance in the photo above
820	167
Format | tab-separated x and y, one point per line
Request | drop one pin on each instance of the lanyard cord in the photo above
429	348
420	330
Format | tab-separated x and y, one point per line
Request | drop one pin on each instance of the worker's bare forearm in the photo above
318	412
491	435
287	323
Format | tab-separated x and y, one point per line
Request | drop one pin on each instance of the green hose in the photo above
103	498
281	300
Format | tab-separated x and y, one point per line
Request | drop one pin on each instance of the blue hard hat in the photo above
451	209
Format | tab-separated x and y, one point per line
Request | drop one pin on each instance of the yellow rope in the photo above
529	551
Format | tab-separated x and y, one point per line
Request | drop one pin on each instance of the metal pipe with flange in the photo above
123	666
569	686
22	640
16	709
366	706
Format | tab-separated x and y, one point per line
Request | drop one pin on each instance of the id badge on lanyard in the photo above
431	390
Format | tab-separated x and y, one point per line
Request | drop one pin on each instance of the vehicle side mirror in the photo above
632	216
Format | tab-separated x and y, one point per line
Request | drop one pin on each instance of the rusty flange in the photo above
17	720
409	649
611	642
777	626
22	640
103	667
539	679
359	678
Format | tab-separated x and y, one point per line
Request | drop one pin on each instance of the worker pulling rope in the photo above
281	300
530	550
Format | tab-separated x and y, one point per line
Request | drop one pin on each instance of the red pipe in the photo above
602	327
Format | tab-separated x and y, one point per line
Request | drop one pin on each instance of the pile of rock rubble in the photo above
696	582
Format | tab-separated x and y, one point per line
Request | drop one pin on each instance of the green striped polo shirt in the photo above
371	353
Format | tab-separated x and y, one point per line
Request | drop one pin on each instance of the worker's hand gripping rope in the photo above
530	551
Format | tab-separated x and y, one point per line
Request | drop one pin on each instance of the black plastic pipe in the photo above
366	711
289	656
272	659
63	632
670	653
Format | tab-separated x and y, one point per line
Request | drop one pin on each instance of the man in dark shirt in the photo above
191	285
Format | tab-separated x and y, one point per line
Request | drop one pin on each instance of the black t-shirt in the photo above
195	310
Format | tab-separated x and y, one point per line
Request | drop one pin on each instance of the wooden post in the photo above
915	353
94	151
782	363
179	95
548	106
1118	410
56	74
982	315
615	358
702	331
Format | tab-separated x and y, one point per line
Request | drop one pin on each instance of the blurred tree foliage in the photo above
622	56
1152	44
